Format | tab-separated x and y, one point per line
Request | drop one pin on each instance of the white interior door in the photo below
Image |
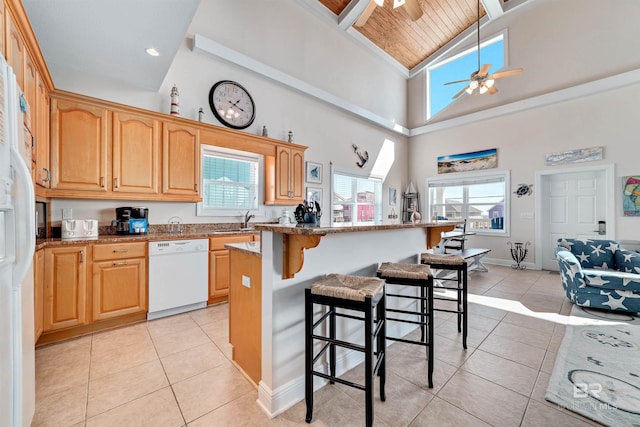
572	204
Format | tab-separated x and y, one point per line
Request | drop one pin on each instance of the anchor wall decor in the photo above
364	158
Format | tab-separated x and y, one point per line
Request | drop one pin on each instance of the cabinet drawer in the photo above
119	251
217	243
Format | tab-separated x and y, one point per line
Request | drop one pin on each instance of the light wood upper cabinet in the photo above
119	280
42	169
2	27
136	147
180	160
38	291
14	48
284	176
65	290
79	146
29	88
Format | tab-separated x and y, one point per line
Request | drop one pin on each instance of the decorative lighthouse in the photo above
175	101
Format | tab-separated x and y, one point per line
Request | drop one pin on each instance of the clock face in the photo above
232	104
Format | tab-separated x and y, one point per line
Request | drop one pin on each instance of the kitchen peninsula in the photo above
295	257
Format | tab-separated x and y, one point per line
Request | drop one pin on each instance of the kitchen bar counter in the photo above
297	239
249	248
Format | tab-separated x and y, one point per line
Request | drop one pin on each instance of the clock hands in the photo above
235	104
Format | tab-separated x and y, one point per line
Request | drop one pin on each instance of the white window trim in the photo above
348	172
215	150
479	175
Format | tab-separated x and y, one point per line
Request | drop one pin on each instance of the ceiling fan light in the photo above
473	84
489	83
469	90
483	89
396	3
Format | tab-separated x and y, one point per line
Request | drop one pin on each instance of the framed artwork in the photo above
314	172
392	196
575	156
476	160
631	195
314	195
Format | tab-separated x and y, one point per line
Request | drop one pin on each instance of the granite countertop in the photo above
284	229
250	248
150	237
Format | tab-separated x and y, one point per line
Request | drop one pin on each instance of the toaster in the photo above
79	229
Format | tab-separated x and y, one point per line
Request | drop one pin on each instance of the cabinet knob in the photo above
102	181
81	256
116	183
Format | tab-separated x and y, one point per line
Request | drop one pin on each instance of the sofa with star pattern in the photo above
599	274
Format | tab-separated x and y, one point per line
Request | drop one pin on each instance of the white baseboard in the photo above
508	263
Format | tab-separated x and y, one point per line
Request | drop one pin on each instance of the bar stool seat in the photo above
363	294
457	264
420	276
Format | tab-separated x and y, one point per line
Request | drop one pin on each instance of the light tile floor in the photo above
176	371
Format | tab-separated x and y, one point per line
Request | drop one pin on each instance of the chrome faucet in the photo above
247	218
175	225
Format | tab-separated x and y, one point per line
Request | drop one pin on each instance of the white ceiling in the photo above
108	39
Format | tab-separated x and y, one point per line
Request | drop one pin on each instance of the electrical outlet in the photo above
67	213
246	281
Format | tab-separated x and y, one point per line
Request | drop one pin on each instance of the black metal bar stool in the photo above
420	276
363	294
457	264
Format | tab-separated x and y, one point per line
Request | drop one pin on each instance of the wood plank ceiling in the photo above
410	42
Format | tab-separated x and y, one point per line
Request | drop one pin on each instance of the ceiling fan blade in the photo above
458	81
413	9
366	14
484	70
492	90
459	93
507	73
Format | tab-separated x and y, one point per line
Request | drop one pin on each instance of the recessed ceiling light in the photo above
151	51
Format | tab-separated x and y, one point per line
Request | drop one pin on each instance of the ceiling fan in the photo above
481	81
411	6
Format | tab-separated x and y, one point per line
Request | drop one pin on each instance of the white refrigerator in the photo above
17	243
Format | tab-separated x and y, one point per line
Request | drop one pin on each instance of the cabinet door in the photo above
218	276
65	290
38	291
283	181
296	178
29	88
135	153
180	159
219	265
2	18
43	174
79	141
119	288
14	49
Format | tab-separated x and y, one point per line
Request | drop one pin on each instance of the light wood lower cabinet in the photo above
119	281
219	266
245	313
38	290
65	290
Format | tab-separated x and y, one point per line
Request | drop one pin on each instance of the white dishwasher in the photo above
178	276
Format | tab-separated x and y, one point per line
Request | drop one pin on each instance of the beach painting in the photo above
575	156
476	160
631	195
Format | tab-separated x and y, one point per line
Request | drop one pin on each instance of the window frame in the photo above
212	150
467	178
378	204
454	55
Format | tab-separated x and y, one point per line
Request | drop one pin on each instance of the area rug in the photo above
597	371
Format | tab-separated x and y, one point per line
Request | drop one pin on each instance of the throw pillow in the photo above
628	261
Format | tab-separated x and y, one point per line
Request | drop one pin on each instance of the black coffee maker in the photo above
131	221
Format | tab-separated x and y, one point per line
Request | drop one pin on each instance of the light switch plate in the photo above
246	281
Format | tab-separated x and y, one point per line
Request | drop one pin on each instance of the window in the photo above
356	200
230	181
460	67
480	198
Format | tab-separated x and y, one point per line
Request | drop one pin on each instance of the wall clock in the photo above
232	105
